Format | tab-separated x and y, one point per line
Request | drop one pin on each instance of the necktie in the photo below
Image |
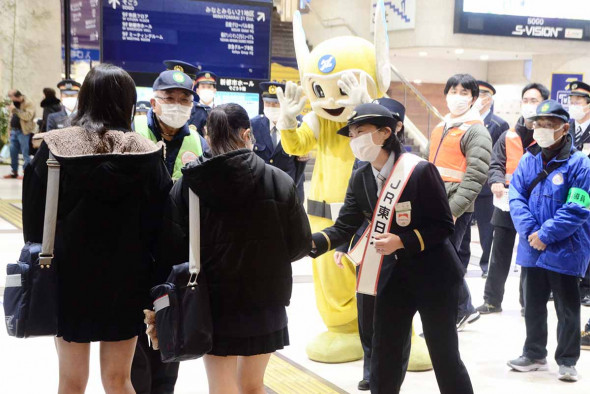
274	137
578	134
380	181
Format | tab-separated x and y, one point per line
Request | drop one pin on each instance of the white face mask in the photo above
545	137
458	104
272	113
478	105
175	115
70	103
364	148
528	110
206	96
577	112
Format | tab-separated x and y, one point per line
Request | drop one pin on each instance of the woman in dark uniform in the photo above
424	271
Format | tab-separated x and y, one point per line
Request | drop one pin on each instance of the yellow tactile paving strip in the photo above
286	377
11	213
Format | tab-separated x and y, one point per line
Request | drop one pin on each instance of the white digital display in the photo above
562	9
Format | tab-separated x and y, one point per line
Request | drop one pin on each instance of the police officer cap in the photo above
485	86
552	109
68	85
184	67
142	106
269	90
370	113
579	88
396	108
206	77
174	80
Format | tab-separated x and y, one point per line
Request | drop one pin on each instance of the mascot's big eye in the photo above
317	89
343	93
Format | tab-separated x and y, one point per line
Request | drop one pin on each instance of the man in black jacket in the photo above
483	204
504	160
68	89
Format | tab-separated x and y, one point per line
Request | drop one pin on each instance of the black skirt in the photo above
250	346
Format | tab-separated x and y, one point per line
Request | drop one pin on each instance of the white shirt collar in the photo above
385	171
584	125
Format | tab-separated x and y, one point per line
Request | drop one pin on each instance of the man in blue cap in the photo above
268	138
549	204
205	86
68	90
167	120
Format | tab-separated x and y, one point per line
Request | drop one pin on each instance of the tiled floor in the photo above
30	366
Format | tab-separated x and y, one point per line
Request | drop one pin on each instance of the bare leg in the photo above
74	360
221	374
115	366
251	373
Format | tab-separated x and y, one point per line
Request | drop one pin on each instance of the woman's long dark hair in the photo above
393	144
224	125
106	100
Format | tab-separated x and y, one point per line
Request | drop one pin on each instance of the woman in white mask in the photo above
460	148
396	210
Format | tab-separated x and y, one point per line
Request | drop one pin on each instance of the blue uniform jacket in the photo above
562	226
198	117
277	157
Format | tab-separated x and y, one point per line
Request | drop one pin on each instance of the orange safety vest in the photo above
445	151
514	151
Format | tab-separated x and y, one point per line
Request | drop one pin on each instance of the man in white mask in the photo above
268	138
167	121
549	204
68	89
460	148
205	87
509	149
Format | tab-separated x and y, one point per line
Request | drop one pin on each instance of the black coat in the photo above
58	120
198	117
49	105
277	157
430	217
110	210
252	228
496	126
497	171
583	139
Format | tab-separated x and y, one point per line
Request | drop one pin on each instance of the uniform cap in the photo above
184	67
370	113
579	88
551	109
269	90
173	80
485	86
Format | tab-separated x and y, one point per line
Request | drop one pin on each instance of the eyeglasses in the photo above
171	100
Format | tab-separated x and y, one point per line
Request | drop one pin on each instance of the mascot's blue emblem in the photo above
327	63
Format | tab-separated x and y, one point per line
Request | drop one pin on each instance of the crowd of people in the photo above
128	167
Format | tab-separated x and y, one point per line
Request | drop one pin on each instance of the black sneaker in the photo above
484	274
525	364
364	385
488	308
464	320
585	340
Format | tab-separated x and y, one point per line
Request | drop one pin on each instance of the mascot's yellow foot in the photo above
419	356
335	346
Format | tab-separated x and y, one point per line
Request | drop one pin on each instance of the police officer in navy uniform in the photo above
205	86
484	207
68	89
268	138
579	109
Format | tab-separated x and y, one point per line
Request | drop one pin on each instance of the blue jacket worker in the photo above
167	120
268	138
549	203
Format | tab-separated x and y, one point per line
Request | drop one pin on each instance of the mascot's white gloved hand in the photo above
357	92
292	102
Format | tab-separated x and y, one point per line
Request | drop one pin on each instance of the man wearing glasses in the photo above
167	121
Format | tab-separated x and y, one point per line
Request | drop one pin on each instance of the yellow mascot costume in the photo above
336	76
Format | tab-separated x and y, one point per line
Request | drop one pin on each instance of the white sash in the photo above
364	252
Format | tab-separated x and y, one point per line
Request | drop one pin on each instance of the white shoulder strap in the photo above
50	221
194	223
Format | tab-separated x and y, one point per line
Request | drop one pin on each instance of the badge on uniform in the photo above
188	157
403	213
558	179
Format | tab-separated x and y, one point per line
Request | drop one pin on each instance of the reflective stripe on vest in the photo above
190	149
445	151
514	151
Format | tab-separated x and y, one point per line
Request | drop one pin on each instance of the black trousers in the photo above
395	308
462	226
500	260
366	316
538	283
484	208
149	375
585	283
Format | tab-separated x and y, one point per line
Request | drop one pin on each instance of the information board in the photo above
230	38
559	83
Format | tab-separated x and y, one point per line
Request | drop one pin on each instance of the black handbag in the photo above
30	292
183	312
